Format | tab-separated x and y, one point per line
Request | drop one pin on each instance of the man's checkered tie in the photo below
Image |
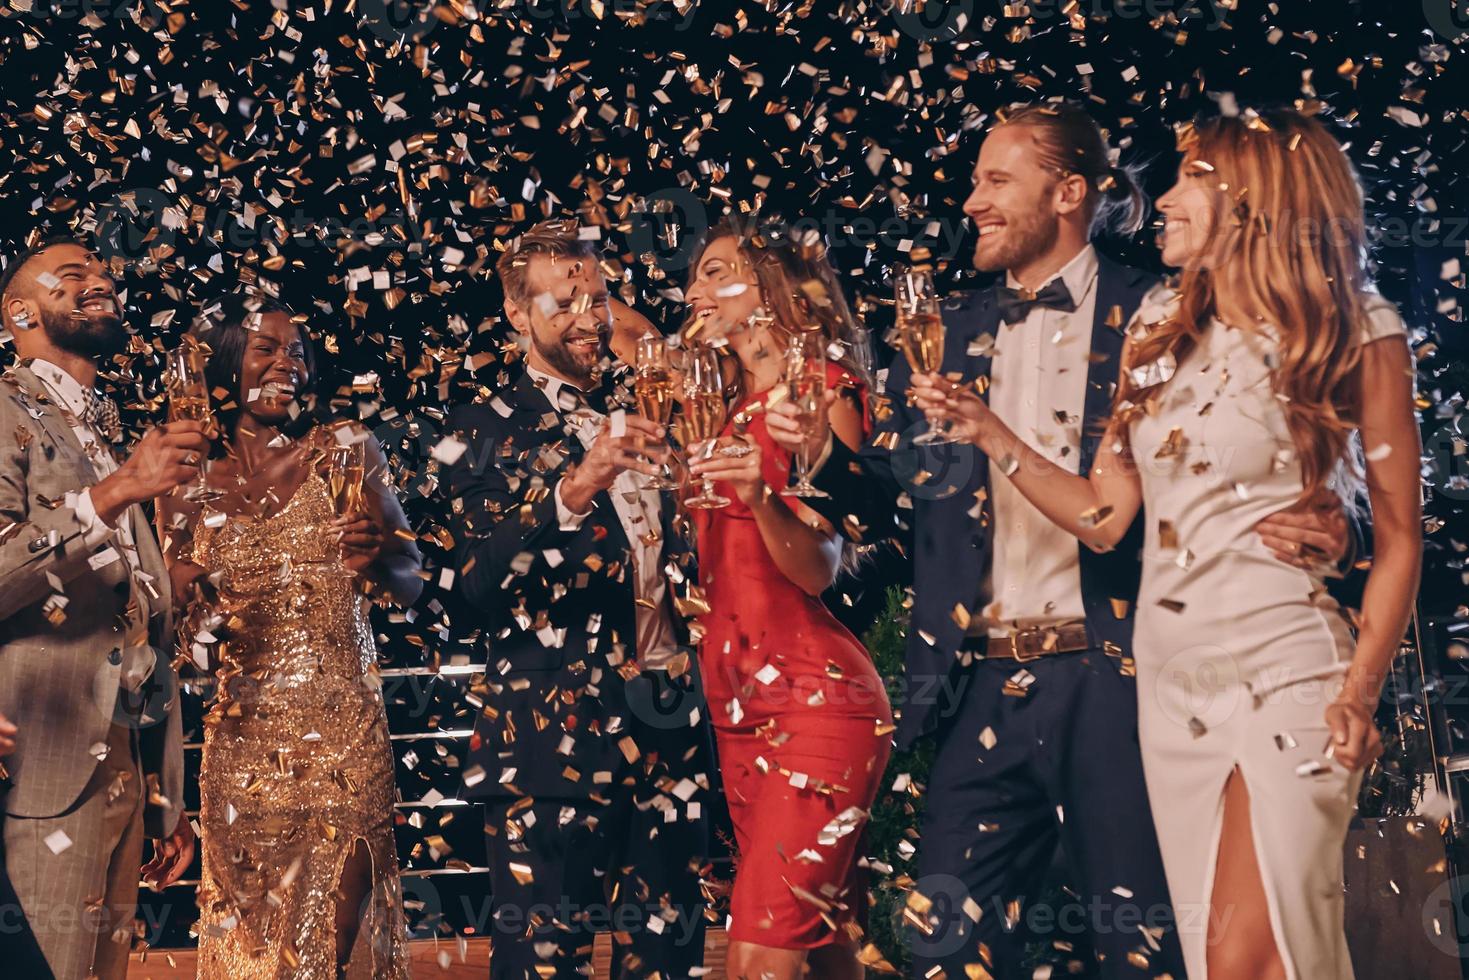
102	415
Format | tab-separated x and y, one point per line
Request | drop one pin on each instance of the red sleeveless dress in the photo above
801	721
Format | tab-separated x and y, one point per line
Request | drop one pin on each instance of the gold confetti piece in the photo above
871	957
1172	444
1167	536
1018	685
1173	605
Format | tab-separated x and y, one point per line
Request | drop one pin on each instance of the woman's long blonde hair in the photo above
1289	244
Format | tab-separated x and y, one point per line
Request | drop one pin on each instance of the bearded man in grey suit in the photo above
85	622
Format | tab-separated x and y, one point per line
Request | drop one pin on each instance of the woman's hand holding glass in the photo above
798	432
702	419
736	461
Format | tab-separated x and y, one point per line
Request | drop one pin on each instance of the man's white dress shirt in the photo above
1038	388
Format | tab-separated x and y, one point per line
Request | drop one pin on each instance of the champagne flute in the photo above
653	386
188	401
703	415
921	332
805	377
344	476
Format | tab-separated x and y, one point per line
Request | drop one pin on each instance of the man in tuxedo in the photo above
1019	650
590	750
85	622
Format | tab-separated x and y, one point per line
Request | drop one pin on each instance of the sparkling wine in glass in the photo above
921	331
188	401
805	377
703	416
653	385
345	476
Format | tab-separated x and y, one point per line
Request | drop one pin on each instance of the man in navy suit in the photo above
1019	659
590	750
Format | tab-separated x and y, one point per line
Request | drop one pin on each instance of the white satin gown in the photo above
1238	654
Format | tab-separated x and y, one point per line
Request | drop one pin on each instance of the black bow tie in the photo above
572	400
1015	304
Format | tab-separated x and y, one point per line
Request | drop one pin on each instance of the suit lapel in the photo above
150	560
1118	291
43	408
59	430
972	347
532	406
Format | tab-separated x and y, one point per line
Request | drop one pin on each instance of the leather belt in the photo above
1034	642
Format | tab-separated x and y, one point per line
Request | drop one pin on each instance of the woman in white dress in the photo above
1244	387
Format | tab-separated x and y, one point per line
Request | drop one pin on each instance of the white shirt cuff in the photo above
94	530
568	519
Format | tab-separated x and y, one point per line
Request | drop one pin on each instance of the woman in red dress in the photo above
800	714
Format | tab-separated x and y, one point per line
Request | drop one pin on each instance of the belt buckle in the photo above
1017	641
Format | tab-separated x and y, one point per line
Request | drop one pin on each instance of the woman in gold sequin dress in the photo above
300	873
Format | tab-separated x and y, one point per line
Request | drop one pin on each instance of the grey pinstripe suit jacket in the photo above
59	680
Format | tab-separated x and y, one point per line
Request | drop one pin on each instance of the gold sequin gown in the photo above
297	766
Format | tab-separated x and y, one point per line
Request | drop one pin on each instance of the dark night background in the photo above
367	162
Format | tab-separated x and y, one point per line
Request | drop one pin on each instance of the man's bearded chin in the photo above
564	361
100	335
1024	240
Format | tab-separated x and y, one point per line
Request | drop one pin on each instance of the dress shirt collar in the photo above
68	390
1079	274
563	395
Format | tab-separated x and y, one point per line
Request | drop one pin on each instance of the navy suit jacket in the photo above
946	487
556	610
